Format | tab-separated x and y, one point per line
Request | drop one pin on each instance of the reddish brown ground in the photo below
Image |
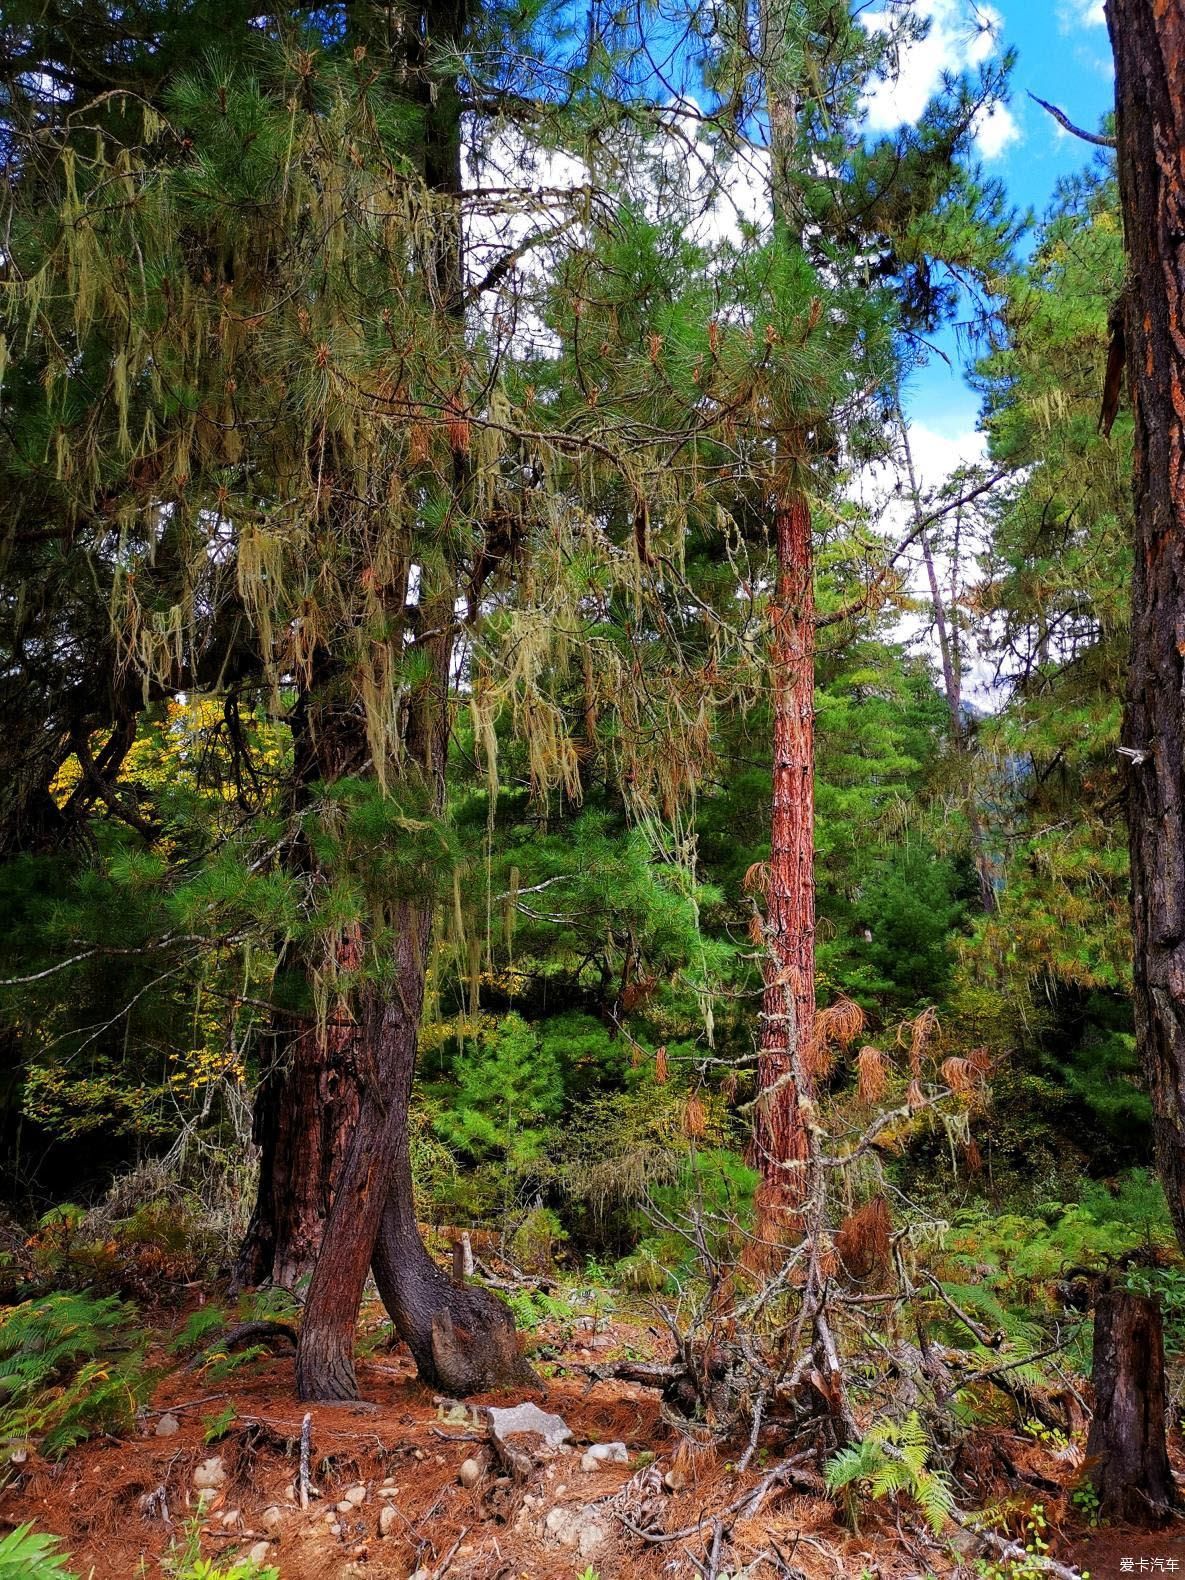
92	1499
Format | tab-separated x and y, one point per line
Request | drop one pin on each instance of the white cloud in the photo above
961	36
995	131
1073	14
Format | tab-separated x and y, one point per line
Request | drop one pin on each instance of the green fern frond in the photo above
26	1554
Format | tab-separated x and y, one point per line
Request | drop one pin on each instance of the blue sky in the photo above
1063	55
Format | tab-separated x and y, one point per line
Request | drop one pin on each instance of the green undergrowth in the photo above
71	1366
26	1554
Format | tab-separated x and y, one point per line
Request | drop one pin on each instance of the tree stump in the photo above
1126	1454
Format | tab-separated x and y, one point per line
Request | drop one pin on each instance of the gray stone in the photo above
168	1426
598	1454
470	1473
210	1474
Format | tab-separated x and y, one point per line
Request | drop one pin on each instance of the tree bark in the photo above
305	1108
1149	45
788	1007
788	1004
1126	1454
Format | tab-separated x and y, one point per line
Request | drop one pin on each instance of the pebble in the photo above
210	1474
335	1529
260	1553
232	1517
356	1495
168	1426
345	1507
387	1521
470	1473
419	1454
272	1518
598	1454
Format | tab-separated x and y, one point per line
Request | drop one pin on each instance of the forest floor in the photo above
403	1451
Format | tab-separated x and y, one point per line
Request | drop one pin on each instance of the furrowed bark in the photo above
1149	45
788	1006
1126	1454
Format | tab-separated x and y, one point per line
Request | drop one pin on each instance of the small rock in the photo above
590	1538
419	1454
260	1553
335	1529
674	1481
561	1489
360	1551
345	1507
290	1494
470	1473
356	1495
556	1521
387	1520
232	1517
598	1454
553	1429
168	1426
272	1518
210	1474
388	1492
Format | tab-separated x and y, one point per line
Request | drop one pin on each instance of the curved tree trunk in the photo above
462	1338
1149	45
385	1050
1126	1455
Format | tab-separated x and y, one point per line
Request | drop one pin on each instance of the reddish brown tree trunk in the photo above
1126	1455
788	1007
1149	45
306	1106
385	1051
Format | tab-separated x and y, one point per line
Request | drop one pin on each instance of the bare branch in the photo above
1099	139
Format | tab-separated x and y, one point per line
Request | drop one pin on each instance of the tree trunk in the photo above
1149	45
385	1051
305	1108
788	1007
1127	1459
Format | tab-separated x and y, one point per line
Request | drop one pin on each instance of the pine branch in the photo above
1099	139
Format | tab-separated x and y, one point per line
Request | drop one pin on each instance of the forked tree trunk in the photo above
1149	45
788	1007
1126	1456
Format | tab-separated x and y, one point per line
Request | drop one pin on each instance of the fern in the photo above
199	1323
892	1460
26	1554
70	1365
